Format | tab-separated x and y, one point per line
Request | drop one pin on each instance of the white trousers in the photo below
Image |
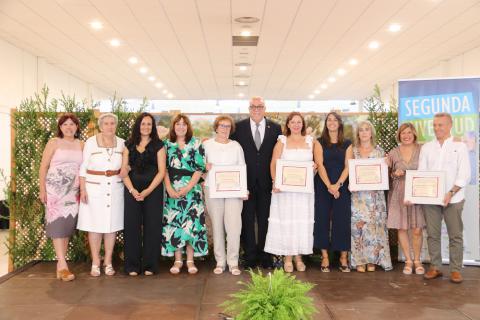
226	217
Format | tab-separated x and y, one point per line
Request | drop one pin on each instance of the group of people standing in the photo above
118	185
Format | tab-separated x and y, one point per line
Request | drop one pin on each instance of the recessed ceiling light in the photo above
341	72
246	32
143	70
242	68
241	83
317	91
324	86
241	95
96	25
164	91
247	20
158	84
332	79
170	95
114	42
151	78
311	96
353	62
373	45
133	60
394	27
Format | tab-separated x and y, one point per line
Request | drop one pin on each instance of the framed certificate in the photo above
294	176
227	181
368	174
425	187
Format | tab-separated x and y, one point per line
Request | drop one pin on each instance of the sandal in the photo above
148	273
192	269
133	273
344	266
95	271
109	271
235	270
361	268
65	275
218	270
407	269
419	269
177	266
300	266
288	267
325	268
370	267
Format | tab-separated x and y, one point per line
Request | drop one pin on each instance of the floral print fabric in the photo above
184	218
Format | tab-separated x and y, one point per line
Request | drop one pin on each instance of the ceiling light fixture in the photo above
242	68
373	45
241	95
353	62
324	86
151	78
394	27
247	20
317	91
158	84
311	96
341	72
114	42
143	70
133	60
164	91
332	79
246	31
170	95
241	83
96	25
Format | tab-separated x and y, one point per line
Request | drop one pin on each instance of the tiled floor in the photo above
3	252
36	294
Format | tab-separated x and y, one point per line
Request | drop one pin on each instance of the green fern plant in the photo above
277	296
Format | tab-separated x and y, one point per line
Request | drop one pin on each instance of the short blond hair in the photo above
107	115
373	139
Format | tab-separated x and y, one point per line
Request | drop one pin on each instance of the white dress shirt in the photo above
451	157
261	128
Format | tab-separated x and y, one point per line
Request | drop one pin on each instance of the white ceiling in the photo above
187	44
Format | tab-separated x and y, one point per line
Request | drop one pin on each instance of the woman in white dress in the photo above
290	226
101	192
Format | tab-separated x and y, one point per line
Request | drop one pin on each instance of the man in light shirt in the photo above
445	154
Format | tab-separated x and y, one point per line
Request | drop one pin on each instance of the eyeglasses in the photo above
225	126
254	107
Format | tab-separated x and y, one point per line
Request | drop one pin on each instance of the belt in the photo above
107	173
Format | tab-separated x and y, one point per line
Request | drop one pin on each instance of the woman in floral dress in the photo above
184	211
369	212
59	188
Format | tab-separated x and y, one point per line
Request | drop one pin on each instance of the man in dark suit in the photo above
257	136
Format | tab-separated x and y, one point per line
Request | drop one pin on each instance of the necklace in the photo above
109	150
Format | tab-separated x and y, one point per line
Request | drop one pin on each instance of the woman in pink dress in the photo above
403	216
59	187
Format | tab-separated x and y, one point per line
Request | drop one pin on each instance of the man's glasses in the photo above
254	107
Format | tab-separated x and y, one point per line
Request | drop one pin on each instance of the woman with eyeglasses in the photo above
225	213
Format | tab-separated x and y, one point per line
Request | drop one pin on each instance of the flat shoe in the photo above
300	266
371	268
419	269
218	270
177	266
109	271
361	268
407	269
148	273
95	271
192	269
288	267
344	268
65	275
235	270
133	274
